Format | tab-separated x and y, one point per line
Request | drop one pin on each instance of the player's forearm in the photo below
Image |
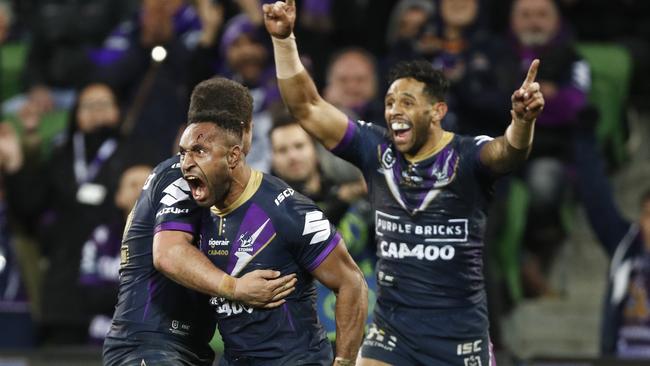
300	95
318	117
186	265
351	313
296	86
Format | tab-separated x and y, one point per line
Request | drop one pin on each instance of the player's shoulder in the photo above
166	181
170	166
371	126
165	173
293	214
286	204
281	195
468	142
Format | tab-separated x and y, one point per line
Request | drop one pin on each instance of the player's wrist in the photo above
519	133
342	361
227	287
287	59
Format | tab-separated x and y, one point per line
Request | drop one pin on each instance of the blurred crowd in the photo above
95	93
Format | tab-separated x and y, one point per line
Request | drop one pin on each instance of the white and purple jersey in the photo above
430	217
150	305
271	226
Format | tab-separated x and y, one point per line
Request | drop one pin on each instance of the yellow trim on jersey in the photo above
253	185
444	141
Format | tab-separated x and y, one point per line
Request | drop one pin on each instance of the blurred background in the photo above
95	92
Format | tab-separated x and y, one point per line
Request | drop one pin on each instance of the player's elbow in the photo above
355	284
304	112
163	259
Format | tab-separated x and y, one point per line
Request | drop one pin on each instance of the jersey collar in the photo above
251	187
445	139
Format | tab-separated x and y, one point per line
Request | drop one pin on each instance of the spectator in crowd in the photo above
100	256
406	20
62	32
146	60
246	58
455	40
65	197
625	328
538	31
295	160
14	305
352	84
616	23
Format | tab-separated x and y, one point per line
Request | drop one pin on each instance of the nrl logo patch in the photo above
388	159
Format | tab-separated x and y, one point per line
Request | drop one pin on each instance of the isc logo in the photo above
469	348
284	194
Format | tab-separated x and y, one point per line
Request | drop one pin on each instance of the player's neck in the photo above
438	138
240	177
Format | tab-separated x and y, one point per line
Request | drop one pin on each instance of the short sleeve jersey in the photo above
270	227
430	216
150	304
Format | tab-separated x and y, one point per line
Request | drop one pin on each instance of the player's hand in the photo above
528	101
11	153
280	18
264	288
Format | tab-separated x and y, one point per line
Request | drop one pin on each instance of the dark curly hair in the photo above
435	83
222	119
220	94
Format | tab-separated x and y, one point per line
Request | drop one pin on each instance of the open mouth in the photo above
197	186
401	131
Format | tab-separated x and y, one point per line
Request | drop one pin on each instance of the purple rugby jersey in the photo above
271	226
151	306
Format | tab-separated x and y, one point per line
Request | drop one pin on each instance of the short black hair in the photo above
220	94
281	117
222	119
435	83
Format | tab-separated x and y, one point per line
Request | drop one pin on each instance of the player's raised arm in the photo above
321	119
505	153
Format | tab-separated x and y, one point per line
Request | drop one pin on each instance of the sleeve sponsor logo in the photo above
172	210
176	192
317	225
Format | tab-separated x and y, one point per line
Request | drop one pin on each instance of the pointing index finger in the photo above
532	72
